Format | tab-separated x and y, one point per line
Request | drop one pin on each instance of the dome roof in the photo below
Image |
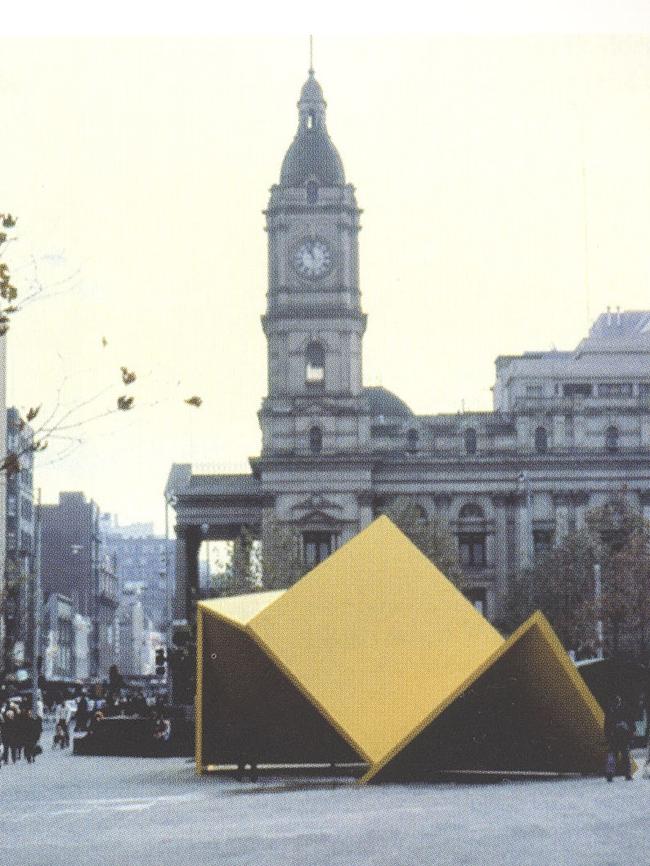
312	154
384	402
311	90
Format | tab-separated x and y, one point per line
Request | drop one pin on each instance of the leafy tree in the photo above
562	583
621	539
239	574
281	563
430	535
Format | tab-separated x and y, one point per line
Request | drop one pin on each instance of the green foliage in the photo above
281	560
240	573
430	535
562	583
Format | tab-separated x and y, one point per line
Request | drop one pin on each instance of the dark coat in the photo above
34	729
619	726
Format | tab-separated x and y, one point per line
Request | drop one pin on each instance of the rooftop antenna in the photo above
311	55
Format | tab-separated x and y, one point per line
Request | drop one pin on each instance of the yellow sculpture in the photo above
375	657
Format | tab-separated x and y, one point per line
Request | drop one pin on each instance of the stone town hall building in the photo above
568	429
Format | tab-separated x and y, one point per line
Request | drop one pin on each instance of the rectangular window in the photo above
644	390
615	389
542	542
471	549
25	543
317	546
577	389
534	390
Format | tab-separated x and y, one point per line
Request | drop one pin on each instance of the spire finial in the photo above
311	55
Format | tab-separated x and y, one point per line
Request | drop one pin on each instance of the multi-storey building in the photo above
568	429
58	636
19	561
74	564
140	557
133	634
3	490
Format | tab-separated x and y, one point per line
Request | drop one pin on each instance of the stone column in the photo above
580	501
364	509
561	517
500	551
524	532
187	572
644	500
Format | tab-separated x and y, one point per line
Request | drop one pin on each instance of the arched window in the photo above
316	440
471	511
312	191
611	440
541	440
470	440
314	364
412	437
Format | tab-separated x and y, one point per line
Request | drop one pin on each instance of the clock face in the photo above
312	258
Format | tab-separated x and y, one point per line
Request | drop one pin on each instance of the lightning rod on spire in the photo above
311	55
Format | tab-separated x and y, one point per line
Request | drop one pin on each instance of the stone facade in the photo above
567	432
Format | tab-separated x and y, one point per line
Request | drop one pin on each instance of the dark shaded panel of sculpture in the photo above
526	713
253	712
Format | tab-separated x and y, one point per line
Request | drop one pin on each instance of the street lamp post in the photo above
205	528
523	483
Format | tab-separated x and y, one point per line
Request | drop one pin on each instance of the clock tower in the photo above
313	323
315	418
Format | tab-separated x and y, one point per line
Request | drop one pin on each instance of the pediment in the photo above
319	519
319	502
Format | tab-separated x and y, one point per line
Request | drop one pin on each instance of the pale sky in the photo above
505	184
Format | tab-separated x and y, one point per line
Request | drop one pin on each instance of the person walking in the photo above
33	731
9	733
83	713
619	729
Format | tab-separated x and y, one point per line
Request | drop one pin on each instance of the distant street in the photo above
147	812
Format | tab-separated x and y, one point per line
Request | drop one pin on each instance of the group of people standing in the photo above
20	732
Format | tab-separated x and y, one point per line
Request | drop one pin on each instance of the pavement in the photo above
78	810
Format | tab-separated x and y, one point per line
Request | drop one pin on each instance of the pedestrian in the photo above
33	730
619	729
82	713
22	726
9	733
61	734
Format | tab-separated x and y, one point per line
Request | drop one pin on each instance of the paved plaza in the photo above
149	812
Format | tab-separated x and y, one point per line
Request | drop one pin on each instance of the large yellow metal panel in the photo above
241	608
560	725
376	636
